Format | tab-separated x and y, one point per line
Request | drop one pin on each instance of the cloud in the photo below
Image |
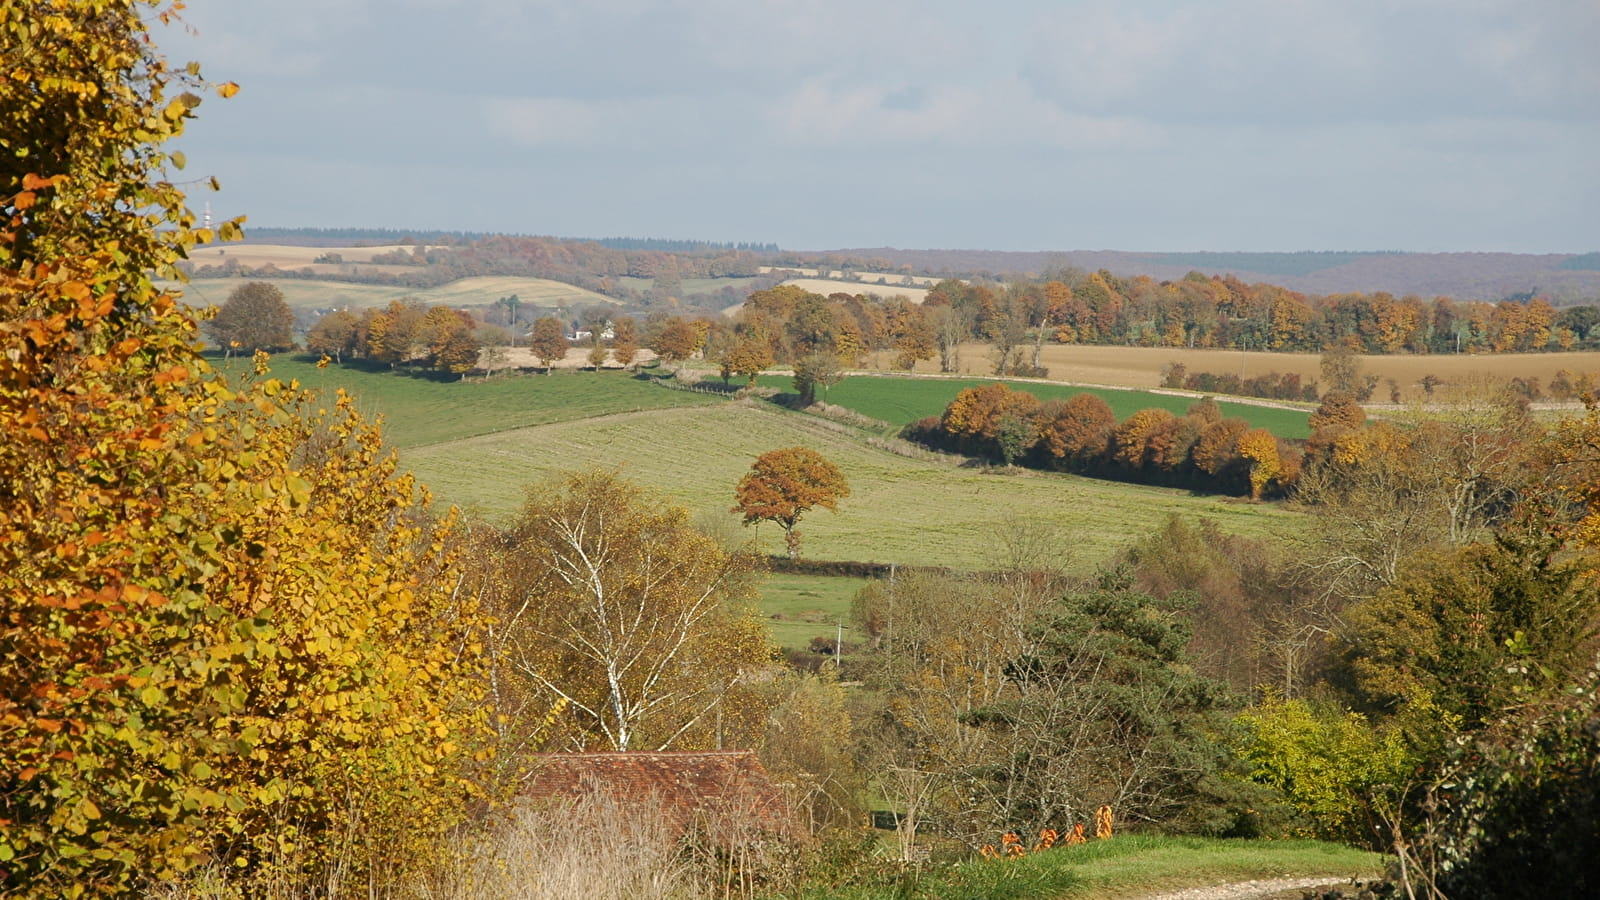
1299	61
998	117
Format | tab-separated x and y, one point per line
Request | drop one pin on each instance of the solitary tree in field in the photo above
813	371
548	342
255	317
784	484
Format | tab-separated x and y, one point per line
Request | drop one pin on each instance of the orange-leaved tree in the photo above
782	485
226	636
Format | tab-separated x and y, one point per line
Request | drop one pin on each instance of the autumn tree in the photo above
746	357
548	341
1136	442
395	334
1259	449
642	626
336	335
625	341
221	609
977	415
813	371
783	485
678	340
451	340
255	317
1078	429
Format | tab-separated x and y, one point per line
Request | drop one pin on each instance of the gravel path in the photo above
1262	889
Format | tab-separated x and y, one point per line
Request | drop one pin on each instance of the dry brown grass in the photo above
1140	367
594	848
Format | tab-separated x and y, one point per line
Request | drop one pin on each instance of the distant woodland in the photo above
678	270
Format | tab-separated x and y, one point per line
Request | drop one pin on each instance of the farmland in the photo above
421	411
478	444
924	511
892	288
306	293
1141	367
900	400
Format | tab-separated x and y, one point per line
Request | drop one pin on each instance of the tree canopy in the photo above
255	317
782	485
222	609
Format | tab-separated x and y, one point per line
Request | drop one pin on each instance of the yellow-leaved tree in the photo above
638	627
229	634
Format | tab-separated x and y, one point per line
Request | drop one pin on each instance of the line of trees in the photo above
1201	449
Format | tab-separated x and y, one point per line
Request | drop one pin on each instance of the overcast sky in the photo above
1427	125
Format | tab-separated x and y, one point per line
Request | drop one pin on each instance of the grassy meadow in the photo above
899	400
419	410
801	607
923	511
477	444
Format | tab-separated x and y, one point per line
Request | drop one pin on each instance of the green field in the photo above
901	400
418	411
480	291
926	510
801	607
477	445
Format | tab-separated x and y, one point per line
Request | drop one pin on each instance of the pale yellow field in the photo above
481	291
1141	366
893	278
283	256
826	287
356	260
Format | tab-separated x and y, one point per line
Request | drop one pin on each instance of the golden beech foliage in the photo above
225	636
1260	449
979	411
1136	440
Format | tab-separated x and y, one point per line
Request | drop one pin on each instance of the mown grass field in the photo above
418	411
924	511
800	607
899	400
479	291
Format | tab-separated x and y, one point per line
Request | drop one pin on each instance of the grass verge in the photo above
1126	867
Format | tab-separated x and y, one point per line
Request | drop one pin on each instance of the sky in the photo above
1249	125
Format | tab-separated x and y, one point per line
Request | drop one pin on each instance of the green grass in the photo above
901	400
800	607
419	411
926	511
1126	866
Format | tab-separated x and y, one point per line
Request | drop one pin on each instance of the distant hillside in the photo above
1564	278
